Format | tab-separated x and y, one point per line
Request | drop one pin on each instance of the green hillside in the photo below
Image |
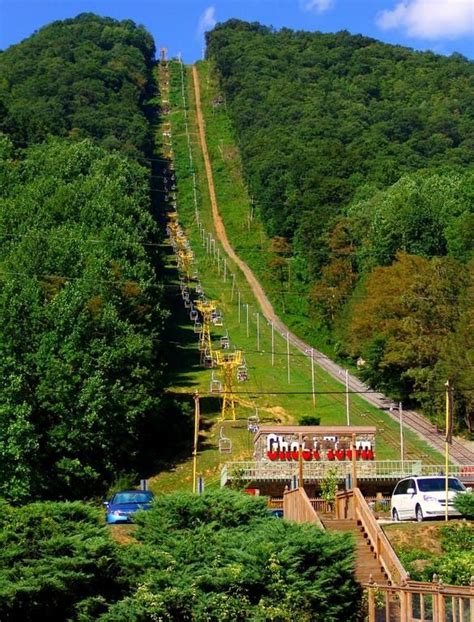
82	77
358	155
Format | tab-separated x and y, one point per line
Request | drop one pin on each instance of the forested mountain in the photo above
360	155
81	77
81	304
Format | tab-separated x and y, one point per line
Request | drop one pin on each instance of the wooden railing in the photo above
351	504
297	507
418	601
319	505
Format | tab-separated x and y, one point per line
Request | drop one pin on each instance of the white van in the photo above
424	497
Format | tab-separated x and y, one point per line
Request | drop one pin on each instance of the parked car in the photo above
276	512
424	497
123	505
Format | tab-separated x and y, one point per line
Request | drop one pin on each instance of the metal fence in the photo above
376	469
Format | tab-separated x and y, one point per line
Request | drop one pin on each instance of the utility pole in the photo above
300	461
196	437
448	440
402	449
233	288
347	398
238	302
312	378
273	343
354	462
258	331
247	310
288	356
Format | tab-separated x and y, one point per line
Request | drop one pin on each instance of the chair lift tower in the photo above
185	260
206	308
228	362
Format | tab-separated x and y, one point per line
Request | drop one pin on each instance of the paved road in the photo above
459	453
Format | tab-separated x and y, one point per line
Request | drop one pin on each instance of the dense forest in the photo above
81	305
359	156
82	77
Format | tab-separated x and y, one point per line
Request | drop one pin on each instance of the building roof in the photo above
319	430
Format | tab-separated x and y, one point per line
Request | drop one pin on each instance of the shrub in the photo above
464	503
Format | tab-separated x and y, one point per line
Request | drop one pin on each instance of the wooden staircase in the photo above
376	561
367	567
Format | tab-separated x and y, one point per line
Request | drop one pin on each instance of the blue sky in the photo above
444	26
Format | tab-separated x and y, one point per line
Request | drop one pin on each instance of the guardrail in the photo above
376	469
351	504
420	602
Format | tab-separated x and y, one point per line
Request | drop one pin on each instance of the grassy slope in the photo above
264	377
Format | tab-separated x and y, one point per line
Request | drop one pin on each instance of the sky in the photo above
442	26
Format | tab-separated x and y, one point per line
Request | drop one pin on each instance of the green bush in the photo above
465	504
220	556
56	559
453	568
215	557
456	563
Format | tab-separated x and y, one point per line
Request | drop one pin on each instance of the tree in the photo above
404	320
82	77
81	322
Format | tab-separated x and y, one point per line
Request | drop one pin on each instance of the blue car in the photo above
123	505
276	512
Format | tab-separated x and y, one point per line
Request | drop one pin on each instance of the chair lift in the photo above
199	288
252	422
216	385
197	327
193	315
225	444
225	342
208	360
216	319
242	373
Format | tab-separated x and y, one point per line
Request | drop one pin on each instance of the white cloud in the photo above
207	21
430	19
317	6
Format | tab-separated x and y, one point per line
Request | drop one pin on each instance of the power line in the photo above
270	392
437	298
